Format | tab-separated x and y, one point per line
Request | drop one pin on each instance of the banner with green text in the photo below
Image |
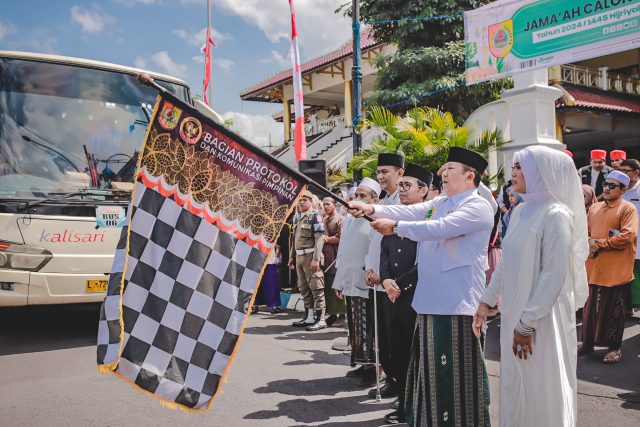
510	36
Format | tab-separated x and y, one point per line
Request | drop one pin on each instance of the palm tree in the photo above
423	135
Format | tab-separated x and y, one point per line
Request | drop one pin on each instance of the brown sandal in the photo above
612	357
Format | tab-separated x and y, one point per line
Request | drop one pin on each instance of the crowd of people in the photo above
420	260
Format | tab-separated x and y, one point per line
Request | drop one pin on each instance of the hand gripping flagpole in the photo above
146	80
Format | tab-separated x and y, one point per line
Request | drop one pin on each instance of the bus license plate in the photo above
97	285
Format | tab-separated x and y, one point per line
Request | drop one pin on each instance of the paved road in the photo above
281	377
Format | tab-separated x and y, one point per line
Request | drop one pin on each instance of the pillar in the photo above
286	119
603	78
348	116
531	110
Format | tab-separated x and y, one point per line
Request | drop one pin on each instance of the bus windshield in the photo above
54	118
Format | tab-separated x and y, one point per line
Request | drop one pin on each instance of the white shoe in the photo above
308	320
319	321
320	324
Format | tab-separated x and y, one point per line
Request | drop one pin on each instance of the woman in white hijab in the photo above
540	282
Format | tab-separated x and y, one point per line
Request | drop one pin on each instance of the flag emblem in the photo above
190	130
169	116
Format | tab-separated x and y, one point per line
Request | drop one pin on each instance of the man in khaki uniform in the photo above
306	250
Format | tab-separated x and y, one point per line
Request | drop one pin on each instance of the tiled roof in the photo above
366	42
600	99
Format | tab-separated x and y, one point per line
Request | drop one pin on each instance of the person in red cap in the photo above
617	157
568	153
595	174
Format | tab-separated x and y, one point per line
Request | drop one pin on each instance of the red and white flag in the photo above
206	49
300	143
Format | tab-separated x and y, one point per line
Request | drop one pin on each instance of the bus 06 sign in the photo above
110	216
509	36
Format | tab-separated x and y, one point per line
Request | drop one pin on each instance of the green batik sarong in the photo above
635	284
447	383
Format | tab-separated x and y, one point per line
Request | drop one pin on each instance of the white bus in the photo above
70	133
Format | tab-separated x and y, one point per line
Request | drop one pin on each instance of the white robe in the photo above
354	243
535	284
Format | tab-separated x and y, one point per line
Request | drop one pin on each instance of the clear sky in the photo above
253	38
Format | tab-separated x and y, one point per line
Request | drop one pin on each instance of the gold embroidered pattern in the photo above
197	175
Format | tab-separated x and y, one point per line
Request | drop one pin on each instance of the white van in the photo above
70	133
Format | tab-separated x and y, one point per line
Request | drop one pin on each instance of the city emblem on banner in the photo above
190	130
501	38
169	116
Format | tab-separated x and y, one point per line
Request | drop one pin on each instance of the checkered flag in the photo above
186	267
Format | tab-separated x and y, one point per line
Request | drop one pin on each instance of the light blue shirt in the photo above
453	235
632	195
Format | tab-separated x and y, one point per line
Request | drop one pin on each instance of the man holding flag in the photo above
452	232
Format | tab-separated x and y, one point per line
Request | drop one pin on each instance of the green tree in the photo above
430	56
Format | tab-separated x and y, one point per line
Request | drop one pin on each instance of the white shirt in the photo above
372	260
632	195
354	242
486	193
452	250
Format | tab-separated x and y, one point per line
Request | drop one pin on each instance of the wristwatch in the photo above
395	228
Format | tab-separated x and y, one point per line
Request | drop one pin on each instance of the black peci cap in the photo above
418	172
468	157
391	159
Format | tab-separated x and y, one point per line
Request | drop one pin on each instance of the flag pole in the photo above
356	82
376	344
146	80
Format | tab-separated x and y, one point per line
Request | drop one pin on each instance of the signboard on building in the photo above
509	36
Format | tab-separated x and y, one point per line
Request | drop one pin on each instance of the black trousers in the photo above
400	323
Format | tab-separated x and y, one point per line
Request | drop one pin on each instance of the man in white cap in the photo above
613	228
452	232
349	283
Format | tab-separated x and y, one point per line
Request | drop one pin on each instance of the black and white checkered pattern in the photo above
186	285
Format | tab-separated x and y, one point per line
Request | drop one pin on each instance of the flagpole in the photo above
146	80
356	81
376	344
210	51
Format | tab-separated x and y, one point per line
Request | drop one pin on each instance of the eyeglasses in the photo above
628	170
611	185
406	186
